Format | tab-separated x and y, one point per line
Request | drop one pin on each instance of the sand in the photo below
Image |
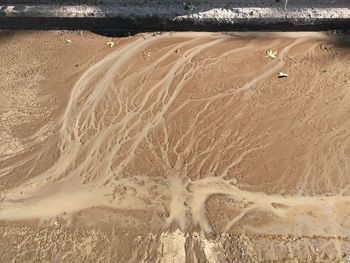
174	147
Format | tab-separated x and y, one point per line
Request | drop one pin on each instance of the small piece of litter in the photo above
110	43
55	223
271	54
282	75
67	41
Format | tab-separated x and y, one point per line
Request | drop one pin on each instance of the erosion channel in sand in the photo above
197	130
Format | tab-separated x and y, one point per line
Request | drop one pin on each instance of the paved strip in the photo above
176	16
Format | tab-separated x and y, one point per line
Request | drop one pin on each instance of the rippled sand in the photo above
177	147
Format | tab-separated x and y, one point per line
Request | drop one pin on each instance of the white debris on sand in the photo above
282	75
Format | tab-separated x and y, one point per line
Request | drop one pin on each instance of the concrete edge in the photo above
173	17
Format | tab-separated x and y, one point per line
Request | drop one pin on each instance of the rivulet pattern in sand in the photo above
195	132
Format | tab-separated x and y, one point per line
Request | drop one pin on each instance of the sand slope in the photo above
185	146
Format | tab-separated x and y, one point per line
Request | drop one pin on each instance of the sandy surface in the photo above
174	147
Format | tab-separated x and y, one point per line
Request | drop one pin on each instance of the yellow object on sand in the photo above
110	43
271	54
